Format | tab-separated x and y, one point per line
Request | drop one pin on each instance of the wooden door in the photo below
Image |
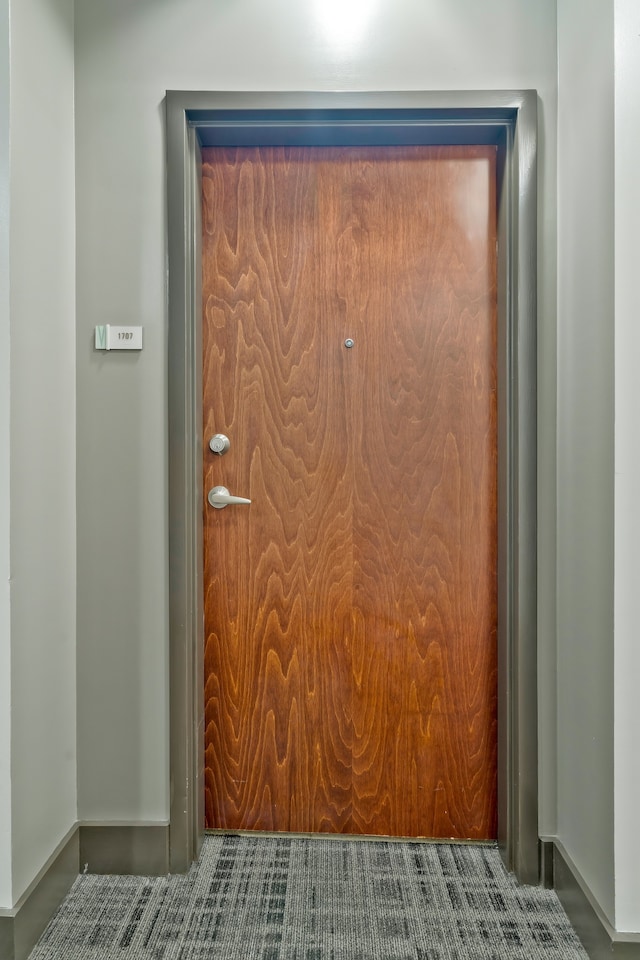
350	661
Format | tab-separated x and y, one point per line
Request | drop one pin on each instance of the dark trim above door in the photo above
507	119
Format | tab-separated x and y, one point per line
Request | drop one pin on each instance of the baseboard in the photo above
21	930
545	871
597	935
139	849
6	938
122	848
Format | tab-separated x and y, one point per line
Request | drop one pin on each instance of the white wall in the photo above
627	463
585	441
127	56
5	439
43	552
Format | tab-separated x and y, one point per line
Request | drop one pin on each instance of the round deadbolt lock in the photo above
219	444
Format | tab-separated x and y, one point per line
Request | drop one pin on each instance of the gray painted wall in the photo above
42	452
627	464
585	441
5	440
127	55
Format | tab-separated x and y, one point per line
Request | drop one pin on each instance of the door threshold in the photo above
285	835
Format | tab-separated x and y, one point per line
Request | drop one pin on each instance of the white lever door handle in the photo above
219	497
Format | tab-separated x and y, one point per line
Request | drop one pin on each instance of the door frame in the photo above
507	119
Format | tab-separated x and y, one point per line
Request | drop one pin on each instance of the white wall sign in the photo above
109	337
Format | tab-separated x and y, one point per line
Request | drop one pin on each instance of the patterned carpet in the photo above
264	898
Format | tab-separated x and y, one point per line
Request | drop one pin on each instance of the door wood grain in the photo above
350	660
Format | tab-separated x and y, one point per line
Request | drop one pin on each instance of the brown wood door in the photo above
350	661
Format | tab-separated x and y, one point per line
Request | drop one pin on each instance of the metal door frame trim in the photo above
507	119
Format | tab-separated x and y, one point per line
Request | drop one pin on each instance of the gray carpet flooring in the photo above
260	898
